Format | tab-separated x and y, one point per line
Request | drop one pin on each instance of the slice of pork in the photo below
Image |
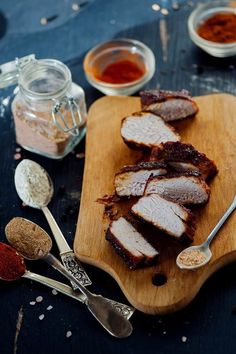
130	244
169	105
179	189
146	130
131	180
184	157
172	218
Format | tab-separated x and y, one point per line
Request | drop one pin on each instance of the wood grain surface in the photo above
212	131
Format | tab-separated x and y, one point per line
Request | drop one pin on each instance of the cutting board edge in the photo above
174	307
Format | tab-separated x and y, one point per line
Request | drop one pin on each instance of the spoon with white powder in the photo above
195	257
35	188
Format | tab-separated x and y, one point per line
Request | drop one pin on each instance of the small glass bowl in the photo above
113	51
199	15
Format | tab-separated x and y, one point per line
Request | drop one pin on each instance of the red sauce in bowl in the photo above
121	72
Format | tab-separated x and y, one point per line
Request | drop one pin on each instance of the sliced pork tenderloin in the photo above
184	157
169	217
146	130
131	180
179	189
169	105
130	244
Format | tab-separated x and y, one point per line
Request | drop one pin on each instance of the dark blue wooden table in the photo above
208	324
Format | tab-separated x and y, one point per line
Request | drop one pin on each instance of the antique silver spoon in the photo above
197	256
35	188
101	308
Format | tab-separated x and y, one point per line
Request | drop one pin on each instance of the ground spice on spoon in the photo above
28	238
12	265
192	258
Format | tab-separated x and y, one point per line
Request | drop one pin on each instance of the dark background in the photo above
209	322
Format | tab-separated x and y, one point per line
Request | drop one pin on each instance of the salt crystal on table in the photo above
156	7
17	156
39	299
41	317
49	307
75	7
80	155
164	12
68	334
54	292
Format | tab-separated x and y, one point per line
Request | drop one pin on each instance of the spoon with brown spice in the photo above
197	256
17	233
12	267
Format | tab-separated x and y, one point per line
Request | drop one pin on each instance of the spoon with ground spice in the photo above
17	231
12	267
197	256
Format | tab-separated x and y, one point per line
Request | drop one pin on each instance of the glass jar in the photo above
49	110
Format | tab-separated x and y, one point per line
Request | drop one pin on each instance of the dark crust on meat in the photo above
134	145
194	175
150	165
154	96
190	227
131	261
180	152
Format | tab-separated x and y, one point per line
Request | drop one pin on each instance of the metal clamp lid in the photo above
62	122
9	72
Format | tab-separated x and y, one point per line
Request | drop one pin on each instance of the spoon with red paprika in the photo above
100	307
12	267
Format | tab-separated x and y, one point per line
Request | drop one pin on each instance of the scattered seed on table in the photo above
164	12
68	334
17	156
184	339
32	303
43	21
50	307
75	7
80	155
39	299
54	292
41	317
18	149
156	7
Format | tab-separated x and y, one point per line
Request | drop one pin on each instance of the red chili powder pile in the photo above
12	265
220	28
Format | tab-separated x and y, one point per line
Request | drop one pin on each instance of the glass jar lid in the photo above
9	72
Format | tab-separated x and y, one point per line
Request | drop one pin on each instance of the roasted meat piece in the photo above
146	130
184	157
131	180
179	189
169	217
169	105
130	244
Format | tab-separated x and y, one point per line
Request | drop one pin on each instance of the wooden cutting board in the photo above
212	131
